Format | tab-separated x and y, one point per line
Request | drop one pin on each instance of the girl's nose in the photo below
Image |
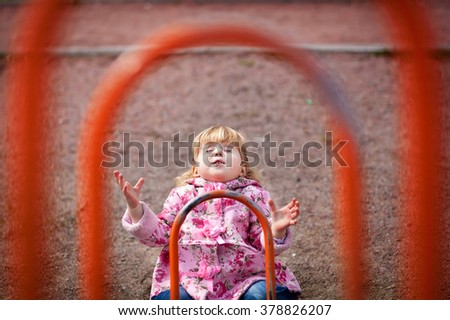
218	151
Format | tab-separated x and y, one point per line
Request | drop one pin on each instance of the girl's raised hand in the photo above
130	192
284	217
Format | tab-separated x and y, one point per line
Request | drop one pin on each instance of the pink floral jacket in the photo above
221	246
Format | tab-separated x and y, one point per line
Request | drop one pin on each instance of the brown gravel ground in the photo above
256	94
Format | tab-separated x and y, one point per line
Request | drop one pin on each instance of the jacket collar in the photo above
229	185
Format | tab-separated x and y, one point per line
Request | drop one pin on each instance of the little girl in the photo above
221	243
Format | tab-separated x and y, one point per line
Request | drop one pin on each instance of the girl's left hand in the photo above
284	217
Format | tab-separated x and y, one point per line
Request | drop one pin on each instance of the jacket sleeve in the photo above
154	230
256	233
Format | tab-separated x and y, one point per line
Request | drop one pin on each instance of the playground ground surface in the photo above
251	92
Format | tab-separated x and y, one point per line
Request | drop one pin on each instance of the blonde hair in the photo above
224	135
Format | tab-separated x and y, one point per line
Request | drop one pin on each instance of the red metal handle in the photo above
268	240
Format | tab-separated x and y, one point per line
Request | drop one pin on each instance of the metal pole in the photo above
268	239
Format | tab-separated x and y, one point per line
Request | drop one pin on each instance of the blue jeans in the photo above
256	291
165	295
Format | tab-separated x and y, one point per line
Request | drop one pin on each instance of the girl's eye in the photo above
228	150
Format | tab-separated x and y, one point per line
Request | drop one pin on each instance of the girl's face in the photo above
219	162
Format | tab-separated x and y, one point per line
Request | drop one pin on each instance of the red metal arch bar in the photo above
25	143
423	252
268	239
129	67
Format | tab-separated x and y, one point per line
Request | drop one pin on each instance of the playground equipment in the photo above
268	239
131	65
27	108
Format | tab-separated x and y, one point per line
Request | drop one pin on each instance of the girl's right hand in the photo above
130	192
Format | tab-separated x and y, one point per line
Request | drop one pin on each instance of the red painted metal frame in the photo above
268	239
132	65
129	67
423	251
25	145
422	224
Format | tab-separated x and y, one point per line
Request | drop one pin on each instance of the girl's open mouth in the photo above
218	162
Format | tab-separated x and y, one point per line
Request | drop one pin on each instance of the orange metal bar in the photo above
349	222
420	115
27	138
268	240
128	68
